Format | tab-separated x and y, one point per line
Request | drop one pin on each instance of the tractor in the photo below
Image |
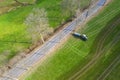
80	36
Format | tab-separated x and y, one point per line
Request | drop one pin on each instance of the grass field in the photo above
102	48
115	74
13	36
9	2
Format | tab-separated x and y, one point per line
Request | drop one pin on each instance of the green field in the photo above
101	49
9	2
13	36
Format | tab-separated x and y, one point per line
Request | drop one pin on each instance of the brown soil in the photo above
1	0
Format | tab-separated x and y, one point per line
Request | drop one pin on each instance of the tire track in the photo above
103	18
109	69
97	54
90	63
